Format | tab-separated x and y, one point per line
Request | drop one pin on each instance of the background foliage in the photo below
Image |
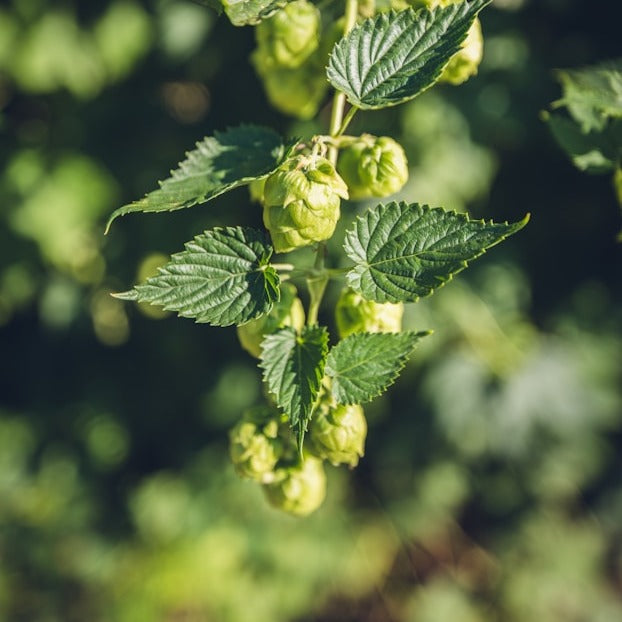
490	488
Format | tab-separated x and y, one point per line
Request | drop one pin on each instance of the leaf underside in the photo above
405	251
395	56
218	164
221	278
293	368
364	365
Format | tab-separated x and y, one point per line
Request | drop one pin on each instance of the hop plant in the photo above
255	446
395	253
355	314
338	434
288	311
298	489
301	202
373	167
289	37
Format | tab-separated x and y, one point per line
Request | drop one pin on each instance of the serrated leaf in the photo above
404	251
395	56
218	164
293	369
248	12
592	94
221	278
364	365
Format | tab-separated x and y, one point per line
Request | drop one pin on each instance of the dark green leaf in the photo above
293	368
221	278
218	164
364	365
403	252
391	58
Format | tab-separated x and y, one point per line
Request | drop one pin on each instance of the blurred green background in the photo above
491	489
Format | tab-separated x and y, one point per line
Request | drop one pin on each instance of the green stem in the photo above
317	284
337	125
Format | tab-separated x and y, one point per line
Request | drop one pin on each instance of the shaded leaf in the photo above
247	12
218	164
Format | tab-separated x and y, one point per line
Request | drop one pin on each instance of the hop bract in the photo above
373	167
301	202
254	445
290	36
299	489
338	434
288	311
355	314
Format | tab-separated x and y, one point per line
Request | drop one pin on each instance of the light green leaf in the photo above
247	12
218	164
364	365
592	94
403	252
393	57
221	278
293	368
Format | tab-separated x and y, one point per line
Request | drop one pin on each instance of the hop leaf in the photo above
391	58
293	368
218	164
222	277
403	252
364	365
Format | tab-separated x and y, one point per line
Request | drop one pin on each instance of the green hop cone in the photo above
255	446
297	92
290	36
299	489
288	311
355	314
464	63
373	167
338	434
301	202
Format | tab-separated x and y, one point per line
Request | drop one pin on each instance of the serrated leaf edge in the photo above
417	335
517	226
